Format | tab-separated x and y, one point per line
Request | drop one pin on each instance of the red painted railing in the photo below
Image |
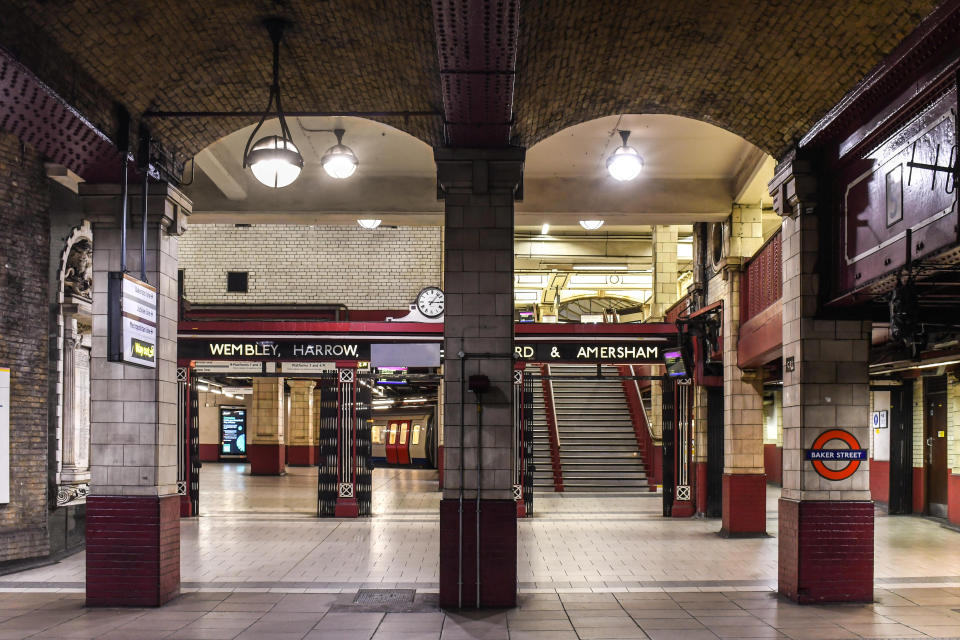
641	428
548	409
762	282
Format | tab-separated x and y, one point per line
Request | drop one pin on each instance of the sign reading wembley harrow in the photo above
132	321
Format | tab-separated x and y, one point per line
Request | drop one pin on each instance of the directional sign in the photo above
132	321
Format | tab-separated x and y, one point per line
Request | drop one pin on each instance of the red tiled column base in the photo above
133	550
302	455
826	551
773	463
700	473
953	497
209	452
346	508
880	480
656	466
498	554
185	507
267	459
919	489
744	505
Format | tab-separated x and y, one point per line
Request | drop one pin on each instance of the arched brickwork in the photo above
764	70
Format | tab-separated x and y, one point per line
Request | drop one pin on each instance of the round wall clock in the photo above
430	302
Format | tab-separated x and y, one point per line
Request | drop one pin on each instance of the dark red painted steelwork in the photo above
133	550
33	112
550	413
638	417
477	50
680	308
761	284
826	551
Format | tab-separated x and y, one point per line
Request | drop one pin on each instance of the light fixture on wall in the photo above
339	161
274	160
624	164
369	223
591	225
545	229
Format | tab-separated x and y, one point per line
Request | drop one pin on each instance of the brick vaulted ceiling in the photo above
764	69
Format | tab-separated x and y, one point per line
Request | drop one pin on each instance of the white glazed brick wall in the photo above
304	264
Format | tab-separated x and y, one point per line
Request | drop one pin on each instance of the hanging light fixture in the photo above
625	163
369	223
591	225
274	160
339	161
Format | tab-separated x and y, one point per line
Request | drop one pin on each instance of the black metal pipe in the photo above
294	114
123	217
145	198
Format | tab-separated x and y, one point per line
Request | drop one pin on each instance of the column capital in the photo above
794	185
479	170
301	385
167	206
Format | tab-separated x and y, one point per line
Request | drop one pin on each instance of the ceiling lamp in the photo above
369	223
339	161
625	163
274	160
591	225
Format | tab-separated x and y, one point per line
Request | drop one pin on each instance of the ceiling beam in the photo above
220	176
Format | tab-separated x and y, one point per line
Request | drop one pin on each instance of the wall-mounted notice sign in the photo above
233	431
4	436
878	419
132	321
227	366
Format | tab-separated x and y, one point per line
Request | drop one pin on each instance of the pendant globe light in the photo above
339	161
625	163
274	160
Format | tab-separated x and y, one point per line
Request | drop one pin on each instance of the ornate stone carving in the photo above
67	494
78	275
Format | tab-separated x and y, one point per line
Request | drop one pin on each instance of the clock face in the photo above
430	302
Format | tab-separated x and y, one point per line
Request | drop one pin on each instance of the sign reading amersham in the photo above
132	321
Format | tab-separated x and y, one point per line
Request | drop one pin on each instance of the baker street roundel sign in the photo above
849	458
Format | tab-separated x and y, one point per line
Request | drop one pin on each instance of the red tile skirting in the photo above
880	480
498	553
133	550
209	452
744	505
700	473
267	459
301	455
953	498
826	551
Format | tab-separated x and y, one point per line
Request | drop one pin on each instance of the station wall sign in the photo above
633	352
260	350
227	366
852	456
131	321
4	436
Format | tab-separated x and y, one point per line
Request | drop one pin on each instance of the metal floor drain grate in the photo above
385	596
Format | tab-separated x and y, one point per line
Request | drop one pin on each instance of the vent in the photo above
385	597
237	281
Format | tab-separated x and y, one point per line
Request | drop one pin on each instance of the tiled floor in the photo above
258	565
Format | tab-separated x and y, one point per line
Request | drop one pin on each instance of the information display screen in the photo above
674	362
233	432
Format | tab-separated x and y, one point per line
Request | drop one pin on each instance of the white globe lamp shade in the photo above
591	225
625	163
369	223
339	162
275	162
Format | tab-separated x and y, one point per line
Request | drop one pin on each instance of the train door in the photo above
393	429
403	443
935	444
901	449
714	507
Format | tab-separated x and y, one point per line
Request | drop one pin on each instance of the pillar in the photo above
301	448
133	512
664	270
317	416
823	523
265	442
478	187
700	446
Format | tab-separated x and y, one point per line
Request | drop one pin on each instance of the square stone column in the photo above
133	512
826	513
265	433
478	514
301	448
664	270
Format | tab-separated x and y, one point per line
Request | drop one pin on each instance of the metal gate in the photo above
344	479
668	436
523	442
188	439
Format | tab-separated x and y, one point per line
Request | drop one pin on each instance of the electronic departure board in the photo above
233	432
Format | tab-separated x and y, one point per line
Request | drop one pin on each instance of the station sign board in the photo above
850	457
227	366
273	350
4	436
628	352
132	321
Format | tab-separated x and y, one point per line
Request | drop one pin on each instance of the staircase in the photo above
598	447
